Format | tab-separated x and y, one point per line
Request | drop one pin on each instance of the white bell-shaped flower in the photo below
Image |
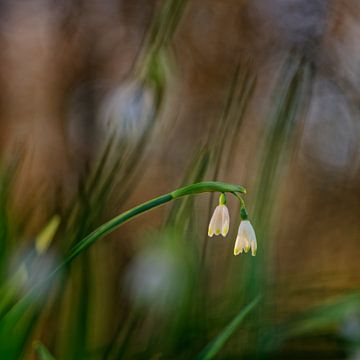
220	221
246	239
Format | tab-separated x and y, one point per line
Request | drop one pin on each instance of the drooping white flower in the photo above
220	221
246	239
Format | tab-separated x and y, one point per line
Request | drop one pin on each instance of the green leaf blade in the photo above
217	344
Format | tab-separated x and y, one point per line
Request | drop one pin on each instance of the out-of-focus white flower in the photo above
157	278
246	239
28	268
220	221
127	110
350	328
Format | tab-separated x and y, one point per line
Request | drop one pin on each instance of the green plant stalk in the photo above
112	225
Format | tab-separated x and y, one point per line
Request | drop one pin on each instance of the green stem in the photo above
110	226
208	186
113	224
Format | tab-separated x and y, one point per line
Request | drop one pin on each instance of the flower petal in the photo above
253	248
215	222
225	220
238	247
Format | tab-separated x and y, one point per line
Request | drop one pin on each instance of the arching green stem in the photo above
110	226
113	224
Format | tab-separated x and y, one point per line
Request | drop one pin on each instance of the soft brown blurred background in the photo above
65	66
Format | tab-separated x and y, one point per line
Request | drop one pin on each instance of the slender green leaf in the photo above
42	352
218	343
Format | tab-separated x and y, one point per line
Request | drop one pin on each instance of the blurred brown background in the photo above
62	61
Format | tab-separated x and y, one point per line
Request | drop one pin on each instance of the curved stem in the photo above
114	223
208	186
239	197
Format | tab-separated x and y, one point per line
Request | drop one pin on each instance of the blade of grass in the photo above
218	343
42	352
315	319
